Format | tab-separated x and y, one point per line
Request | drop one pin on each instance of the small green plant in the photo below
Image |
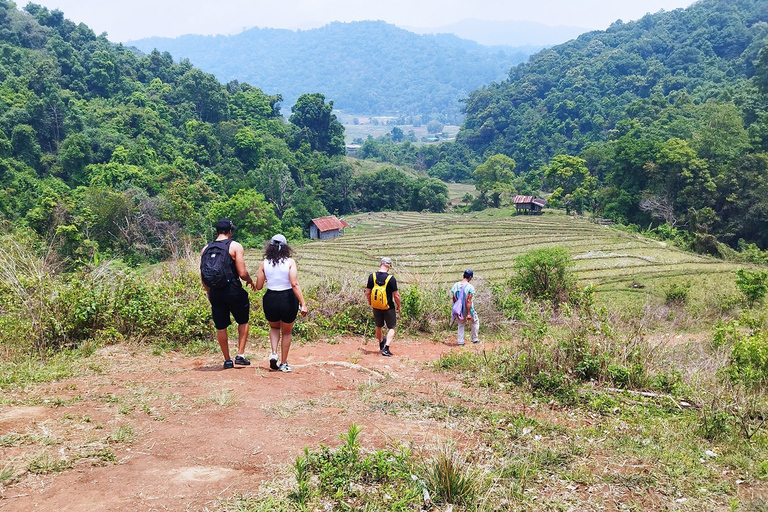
753	284
303	490
511	305
123	434
102	457
451	478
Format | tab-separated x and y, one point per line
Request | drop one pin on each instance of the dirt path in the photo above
185	434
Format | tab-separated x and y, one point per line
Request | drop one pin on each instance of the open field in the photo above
436	248
365	127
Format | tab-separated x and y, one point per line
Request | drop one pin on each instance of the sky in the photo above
126	20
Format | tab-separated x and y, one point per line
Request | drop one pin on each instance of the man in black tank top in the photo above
230	298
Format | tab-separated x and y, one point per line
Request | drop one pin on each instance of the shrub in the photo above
544	275
677	293
748	362
753	284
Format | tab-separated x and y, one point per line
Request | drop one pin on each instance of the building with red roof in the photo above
529	205
324	228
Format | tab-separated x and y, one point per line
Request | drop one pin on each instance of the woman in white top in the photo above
283	299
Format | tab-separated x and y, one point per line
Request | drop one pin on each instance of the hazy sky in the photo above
125	20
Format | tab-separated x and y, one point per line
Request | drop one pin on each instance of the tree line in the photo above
105	151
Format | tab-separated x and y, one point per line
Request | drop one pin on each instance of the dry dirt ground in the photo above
187	434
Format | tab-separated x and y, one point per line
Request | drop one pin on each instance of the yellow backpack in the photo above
379	294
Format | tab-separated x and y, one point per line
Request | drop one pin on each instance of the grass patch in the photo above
123	434
224	398
6	474
43	463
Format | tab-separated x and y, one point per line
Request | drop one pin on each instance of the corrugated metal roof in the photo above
530	200
329	223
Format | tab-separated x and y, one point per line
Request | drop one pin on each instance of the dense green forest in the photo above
366	67
661	121
106	151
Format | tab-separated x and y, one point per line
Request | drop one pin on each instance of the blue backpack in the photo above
459	309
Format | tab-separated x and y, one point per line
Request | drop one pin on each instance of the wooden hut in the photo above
324	228
529	205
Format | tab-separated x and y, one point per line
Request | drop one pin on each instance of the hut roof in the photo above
329	223
530	200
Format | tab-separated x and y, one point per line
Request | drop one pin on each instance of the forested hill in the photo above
365	67
108	153
575	93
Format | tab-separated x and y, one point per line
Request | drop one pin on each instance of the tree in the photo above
397	134
318	124
74	154
253	217
435	127
574	186
429	194
495	177
25	146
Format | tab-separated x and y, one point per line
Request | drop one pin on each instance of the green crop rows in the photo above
436	248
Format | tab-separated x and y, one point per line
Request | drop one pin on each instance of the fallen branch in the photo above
345	364
682	404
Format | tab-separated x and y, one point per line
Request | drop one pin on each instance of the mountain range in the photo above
363	67
520	34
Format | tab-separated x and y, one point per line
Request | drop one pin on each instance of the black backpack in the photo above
216	264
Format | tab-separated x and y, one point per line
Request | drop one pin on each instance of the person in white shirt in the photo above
283	299
465	289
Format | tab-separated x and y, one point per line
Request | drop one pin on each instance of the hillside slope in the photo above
575	93
364	67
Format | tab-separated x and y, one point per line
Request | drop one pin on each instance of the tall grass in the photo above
44	310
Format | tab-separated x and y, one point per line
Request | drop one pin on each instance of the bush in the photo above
544	275
748	363
677	293
753	284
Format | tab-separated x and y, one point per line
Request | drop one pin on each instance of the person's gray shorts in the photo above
382	316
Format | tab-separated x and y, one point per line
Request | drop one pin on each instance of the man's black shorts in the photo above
388	316
280	306
232	299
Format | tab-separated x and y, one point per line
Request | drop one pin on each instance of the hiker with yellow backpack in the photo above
383	297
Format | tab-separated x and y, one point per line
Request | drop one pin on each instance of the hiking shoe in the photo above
284	368
475	341
386	352
242	360
383	343
228	364
273	362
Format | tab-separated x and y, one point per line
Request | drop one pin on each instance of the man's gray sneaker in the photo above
386	352
242	360
284	368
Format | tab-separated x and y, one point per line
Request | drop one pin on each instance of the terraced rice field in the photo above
436	248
